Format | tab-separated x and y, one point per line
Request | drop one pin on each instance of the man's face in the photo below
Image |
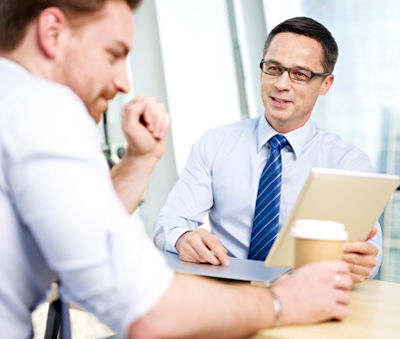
289	103
93	61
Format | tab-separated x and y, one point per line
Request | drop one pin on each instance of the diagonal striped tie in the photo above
266	216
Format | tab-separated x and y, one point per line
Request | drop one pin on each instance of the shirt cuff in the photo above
173	237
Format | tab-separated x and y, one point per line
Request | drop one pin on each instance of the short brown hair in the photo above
312	29
15	15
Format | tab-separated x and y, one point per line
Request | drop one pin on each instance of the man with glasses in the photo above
223	171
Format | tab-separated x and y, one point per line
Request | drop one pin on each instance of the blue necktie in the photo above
266	216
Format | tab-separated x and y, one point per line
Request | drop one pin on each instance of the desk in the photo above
374	314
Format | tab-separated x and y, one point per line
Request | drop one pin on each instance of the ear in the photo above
326	84
51	24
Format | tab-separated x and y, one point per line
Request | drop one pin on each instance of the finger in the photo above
149	114
191	251
166	122
192	256
186	251
360	247
157	118
356	278
340	311
202	250
359	259
342	281
372	233
159	121
342	296
360	270
336	266
140	98
134	108
167	125
189	255
206	256
215	245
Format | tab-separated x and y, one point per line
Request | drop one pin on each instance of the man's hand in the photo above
145	123
314	293
361	257
201	246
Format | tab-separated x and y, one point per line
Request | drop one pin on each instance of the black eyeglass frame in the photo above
288	69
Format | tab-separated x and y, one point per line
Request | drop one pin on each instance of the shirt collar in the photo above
12	64
297	138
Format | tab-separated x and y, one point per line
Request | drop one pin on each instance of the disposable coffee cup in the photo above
317	240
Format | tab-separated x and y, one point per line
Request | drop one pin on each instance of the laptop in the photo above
239	269
355	199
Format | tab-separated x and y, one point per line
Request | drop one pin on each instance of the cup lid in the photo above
319	229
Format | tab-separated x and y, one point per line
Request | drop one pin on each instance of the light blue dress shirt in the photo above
60	216
222	173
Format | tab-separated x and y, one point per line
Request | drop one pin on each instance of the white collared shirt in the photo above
60	216
222	174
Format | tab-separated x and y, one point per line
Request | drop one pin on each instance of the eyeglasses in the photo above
295	73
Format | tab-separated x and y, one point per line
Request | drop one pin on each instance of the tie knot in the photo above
278	141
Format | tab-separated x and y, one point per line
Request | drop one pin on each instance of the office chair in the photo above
58	321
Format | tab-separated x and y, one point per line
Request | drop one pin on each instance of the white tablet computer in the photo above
353	198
